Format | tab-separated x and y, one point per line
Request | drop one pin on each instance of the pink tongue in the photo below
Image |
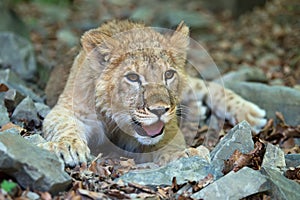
154	129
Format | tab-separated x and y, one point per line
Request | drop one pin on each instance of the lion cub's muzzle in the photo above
158	110
156	128
150	121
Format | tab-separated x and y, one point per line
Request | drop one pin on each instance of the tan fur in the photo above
125	83
59	76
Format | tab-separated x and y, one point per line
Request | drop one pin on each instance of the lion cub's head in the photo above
139	76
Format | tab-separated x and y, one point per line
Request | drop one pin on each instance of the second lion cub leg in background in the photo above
66	135
224	103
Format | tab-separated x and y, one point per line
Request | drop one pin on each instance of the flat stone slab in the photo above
13	81
292	160
274	158
282	187
271	98
238	138
17	53
184	169
4	119
32	166
235	185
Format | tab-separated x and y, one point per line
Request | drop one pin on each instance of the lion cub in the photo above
122	95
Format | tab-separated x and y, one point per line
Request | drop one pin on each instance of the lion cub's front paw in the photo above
254	115
72	151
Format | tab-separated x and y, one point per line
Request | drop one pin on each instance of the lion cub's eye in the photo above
169	74
133	77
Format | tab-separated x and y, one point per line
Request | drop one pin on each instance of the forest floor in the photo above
267	38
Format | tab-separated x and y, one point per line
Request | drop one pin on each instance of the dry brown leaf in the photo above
147	196
280	117
175	186
77	185
45	195
72	195
93	167
284	135
197	186
243	160
230	163
99	169
92	195
268	127
142	188
127	163
238	160
3	87
182	197
295	149
117	194
293	174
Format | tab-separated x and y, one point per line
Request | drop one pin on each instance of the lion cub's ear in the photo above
97	41
179	42
180	38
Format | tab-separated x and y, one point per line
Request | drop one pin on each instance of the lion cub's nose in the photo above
158	110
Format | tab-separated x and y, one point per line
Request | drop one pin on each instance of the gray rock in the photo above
32	166
200	64
276	81
143	13
11	131
35	139
42	109
12	98
235	185
192	18
17	53
245	73
297	141
274	158
268	59
292	160
68	37
281	187
184	169
271	98
26	111
4	119
240	138
297	87
11	79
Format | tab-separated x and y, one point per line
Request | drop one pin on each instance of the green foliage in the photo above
8	186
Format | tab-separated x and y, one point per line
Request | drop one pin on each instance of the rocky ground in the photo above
261	46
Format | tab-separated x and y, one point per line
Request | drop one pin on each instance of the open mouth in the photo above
152	130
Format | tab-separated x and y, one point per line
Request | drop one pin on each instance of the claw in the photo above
71	154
